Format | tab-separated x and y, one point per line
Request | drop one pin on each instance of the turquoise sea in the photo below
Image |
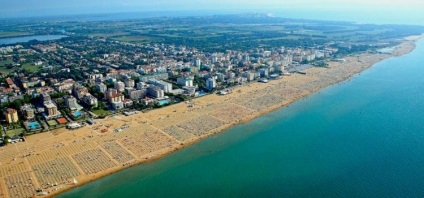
360	138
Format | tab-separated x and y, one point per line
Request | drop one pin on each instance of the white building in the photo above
197	62
185	82
167	87
120	86
101	87
210	83
90	100
141	85
248	75
137	94
156	92
71	103
129	82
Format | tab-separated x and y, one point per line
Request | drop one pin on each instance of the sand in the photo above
52	160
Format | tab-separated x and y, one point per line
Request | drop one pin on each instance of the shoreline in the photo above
174	127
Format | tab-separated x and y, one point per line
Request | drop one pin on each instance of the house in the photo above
11	115
51	110
90	100
79	91
129	83
113	96
128	103
120	86
101	87
28	111
72	104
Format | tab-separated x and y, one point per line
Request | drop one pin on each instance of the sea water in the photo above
360	138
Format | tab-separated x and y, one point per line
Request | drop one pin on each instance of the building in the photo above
248	75
90	100
71	102
51	109
155	92
120	86
112	95
167	87
137	94
141	85
11	115
128	103
210	83
28	112
129	82
79	91
45	97
4	99
118	105
66	85
32	83
185	82
197	63
163	76
279	68
264	72
101	87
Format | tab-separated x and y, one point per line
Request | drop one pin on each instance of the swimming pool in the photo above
77	114
33	125
163	102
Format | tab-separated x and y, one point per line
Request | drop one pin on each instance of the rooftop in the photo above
10	111
49	105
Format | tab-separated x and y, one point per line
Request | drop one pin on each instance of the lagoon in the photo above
24	39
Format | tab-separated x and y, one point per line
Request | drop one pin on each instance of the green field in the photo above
12	34
14	132
107	35
52	122
31	67
3	68
101	112
133	39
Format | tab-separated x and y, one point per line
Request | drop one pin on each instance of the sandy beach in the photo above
52	160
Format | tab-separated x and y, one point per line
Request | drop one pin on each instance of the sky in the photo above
363	11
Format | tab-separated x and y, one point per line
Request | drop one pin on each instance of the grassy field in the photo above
14	132
3	63
107	35
31	67
101	111
52	122
3	68
133	39
12	34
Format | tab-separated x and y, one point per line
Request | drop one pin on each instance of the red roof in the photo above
10	111
116	95
9	81
62	120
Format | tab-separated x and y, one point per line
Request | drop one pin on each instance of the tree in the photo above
17	104
6	140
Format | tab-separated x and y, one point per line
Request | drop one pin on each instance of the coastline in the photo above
175	127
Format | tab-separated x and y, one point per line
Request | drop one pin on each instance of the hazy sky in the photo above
387	11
